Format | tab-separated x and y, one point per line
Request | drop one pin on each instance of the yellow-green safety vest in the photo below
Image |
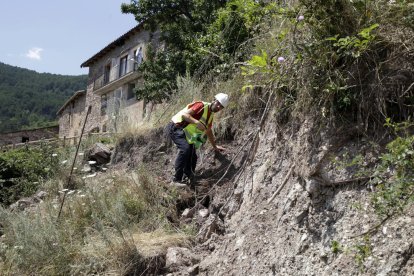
192	134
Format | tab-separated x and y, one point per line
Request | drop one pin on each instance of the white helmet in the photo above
223	99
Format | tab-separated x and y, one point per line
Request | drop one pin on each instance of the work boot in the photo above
190	181
178	184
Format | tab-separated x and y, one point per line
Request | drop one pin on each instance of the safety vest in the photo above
192	134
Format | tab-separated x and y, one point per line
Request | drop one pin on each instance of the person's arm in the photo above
212	140
188	117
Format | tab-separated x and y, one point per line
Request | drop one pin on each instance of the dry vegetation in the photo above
116	223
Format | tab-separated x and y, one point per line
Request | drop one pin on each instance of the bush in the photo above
394	175
22	170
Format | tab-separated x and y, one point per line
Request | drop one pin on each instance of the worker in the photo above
189	129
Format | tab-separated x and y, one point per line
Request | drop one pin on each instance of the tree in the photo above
198	35
24	92
181	23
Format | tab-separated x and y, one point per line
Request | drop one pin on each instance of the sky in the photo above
57	36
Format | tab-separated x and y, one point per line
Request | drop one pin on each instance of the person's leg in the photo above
191	165
184	152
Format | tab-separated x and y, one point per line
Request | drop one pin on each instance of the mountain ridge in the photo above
31	99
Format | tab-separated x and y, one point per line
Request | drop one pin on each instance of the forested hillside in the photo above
30	99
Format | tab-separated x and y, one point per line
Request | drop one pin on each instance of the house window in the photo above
70	118
104	104
107	73
137	58
123	66
130	92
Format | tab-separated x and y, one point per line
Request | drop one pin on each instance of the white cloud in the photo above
34	53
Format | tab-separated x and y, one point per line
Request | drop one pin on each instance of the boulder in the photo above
179	257
21	204
212	225
99	153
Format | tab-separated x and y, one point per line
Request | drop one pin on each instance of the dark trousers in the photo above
186	160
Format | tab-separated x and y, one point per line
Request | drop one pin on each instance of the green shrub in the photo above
22	170
362	251
393	177
336	247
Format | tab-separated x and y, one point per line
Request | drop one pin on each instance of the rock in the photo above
21	204
188	213
99	153
301	215
303	244
212	225
41	195
178	257
194	270
86	168
239	242
203	213
312	186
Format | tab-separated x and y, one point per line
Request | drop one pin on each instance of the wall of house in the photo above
28	135
130	114
72	117
133	43
131	111
121	113
94	118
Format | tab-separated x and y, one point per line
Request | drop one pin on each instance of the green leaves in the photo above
354	45
394	176
336	247
362	251
201	36
257	64
260	61
22	169
29	99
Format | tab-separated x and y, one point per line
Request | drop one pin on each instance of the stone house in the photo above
71	115
113	75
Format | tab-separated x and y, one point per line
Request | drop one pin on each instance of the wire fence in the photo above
58	142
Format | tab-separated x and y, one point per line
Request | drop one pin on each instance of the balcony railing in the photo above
115	73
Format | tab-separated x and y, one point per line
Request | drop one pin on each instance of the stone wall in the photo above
131	112
28	135
71	118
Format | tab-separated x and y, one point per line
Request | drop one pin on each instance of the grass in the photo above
112	224
153	243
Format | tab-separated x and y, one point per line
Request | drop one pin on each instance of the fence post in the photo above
74	160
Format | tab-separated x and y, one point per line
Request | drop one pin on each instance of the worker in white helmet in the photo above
189	129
